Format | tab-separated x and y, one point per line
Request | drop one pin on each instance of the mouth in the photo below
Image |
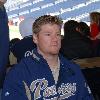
55	45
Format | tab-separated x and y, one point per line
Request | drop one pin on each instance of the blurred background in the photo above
18	10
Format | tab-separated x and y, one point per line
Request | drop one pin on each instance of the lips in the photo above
54	44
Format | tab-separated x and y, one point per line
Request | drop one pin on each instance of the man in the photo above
4	41
46	75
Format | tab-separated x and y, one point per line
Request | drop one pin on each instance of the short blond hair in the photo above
95	17
46	19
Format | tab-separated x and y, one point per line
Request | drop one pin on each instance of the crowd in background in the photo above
79	40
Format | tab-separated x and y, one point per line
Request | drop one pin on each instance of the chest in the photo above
42	85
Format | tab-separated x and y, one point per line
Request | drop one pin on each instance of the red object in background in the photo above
94	30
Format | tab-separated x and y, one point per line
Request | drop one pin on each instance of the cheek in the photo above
59	40
42	41
59	43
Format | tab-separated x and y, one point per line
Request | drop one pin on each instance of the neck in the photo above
52	59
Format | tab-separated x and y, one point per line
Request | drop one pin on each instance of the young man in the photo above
46	75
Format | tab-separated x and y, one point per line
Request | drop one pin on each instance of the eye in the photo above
58	34
47	34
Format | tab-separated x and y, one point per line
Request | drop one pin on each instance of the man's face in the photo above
48	40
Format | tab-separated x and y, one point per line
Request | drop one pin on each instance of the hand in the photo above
98	36
93	38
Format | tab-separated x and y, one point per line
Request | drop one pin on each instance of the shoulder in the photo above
70	64
23	66
65	61
17	69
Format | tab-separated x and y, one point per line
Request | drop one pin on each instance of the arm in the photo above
13	88
84	92
4	43
87	92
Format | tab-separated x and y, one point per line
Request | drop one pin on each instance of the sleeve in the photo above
13	88
87	95
4	43
84	90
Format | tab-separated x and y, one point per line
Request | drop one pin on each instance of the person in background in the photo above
12	58
46	75
94	30
94	25
25	46
74	46
84	30
4	42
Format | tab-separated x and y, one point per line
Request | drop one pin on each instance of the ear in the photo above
35	38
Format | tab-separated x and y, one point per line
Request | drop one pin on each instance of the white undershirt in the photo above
55	71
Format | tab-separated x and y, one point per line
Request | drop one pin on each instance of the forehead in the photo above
50	27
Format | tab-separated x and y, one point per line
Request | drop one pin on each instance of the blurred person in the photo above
46	75
84	29
94	25
25	46
13	42
12	58
94	30
74	46
4	41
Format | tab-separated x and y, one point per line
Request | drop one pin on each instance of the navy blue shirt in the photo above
32	79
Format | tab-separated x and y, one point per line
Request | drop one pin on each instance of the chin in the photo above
55	52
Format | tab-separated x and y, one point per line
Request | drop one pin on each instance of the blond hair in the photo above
95	17
46	19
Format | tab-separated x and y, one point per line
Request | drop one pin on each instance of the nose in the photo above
55	37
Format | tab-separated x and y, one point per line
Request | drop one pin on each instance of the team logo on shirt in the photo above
28	53
40	89
31	53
